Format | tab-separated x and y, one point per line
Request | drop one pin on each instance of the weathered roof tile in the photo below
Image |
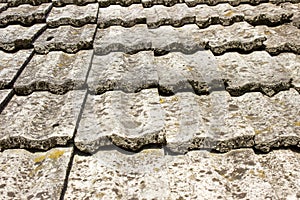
198	175
257	71
187	39
5	96
105	3
65	38
114	175
26	175
11	65
129	120
294	8
15	37
13	3
40	121
73	15
281	38
118	15
120	71
209	122
276	120
57	72
196	73
76	2
25	14
177	15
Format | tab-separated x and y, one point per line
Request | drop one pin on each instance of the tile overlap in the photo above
145	99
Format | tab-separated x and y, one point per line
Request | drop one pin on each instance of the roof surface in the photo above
149	99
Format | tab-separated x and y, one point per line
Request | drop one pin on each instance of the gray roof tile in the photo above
73	15
40	175
11	65
15	37
40	121
25	14
57	72
65	38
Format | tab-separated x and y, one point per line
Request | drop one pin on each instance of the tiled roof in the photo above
149	99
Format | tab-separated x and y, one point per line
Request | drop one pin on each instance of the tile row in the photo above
111	174
145	3
200	72
181	122
240	36
151	174
177	15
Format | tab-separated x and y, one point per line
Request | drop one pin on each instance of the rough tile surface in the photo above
257	71
187	39
291	62
239	174
129	120
281	38
3	6
196	73
115	175
4	97
16	37
119	15
73	15
210	122
221	122
197	175
139	38
231	2
25	15
177	15
40	121
116	38
26	175
11	65
57	72
265	13
241	36
223	14
275	120
120	71
106	3
149	3
295	9
76	2
13	3
65	38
